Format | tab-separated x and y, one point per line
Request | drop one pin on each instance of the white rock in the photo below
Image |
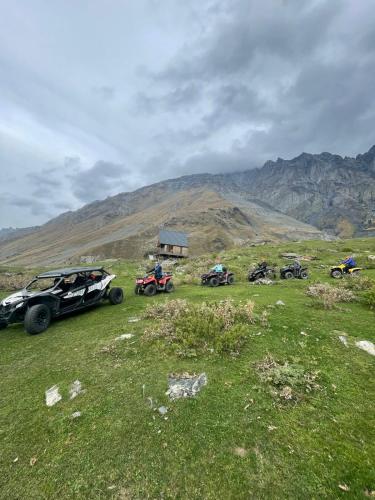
162	410
76	414
344	340
367	346
125	336
52	395
280	303
185	385
133	320
75	389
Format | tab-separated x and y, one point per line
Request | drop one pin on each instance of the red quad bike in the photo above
215	279
149	285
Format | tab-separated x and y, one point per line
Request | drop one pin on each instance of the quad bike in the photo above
290	271
149	285
340	270
213	278
261	272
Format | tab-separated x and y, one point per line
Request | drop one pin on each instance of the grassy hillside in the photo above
237	439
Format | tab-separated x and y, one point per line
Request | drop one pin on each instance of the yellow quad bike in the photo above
340	270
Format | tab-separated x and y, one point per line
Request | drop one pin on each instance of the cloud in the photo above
97	182
197	86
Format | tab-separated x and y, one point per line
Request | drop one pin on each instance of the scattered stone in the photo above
304	333
125	336
75	389
271	428
344	340
344	487
371	257
240	452
264	281
33	461
15	460
185	385
76	414
133	320
289	255
280	303
367	346
52	396
162	410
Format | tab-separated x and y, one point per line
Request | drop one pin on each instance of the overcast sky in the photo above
103	96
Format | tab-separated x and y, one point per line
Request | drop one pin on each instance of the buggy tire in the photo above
138	290
355	274
37	319
169	287
116	296
304	275
288	275
336	274
150	290
230	280
214	281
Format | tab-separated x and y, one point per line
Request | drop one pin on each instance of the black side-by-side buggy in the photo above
55	293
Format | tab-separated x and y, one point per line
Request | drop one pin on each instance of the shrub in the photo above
358	283
288	381
328	296
165	310
190	329
10	281
369	298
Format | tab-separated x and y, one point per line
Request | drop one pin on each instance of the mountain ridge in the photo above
305	197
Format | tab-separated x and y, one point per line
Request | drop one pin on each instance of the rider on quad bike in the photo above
218	275
263	270
294	270
154	281
347	266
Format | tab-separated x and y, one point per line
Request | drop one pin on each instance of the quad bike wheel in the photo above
304	275
137	290
169	287
214	281
230	280
336	274
150	290
37	319
288	275
116	296
355	274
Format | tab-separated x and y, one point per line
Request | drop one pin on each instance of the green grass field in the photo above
122	448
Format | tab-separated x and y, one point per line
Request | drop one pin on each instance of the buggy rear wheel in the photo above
37	319
230	280
150	290
116	296
288	275
169	287
304	275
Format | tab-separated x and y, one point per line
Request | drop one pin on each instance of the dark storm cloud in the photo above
96	182
206	85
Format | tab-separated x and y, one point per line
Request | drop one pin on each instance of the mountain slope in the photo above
286	199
